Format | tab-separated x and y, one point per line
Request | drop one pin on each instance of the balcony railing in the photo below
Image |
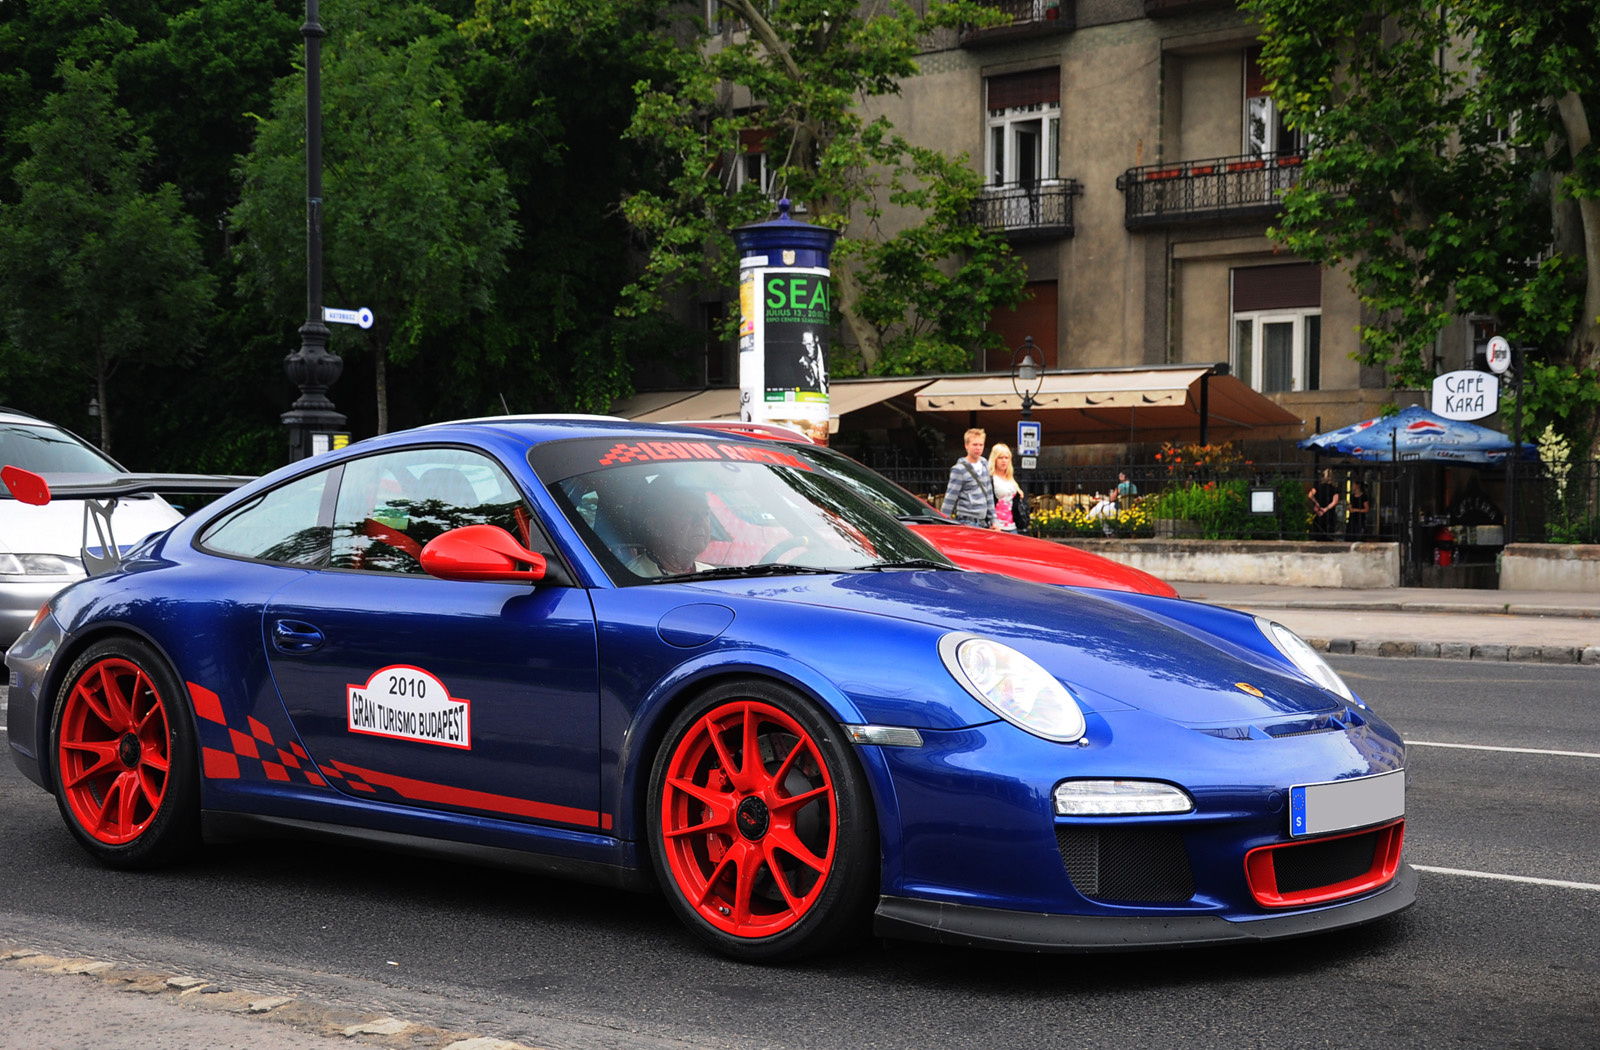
1028	18
1171	8
1222	188
1023	212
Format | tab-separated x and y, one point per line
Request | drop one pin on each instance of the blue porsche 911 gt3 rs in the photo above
658	658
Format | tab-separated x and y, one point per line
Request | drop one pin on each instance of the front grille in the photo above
1126	864
1318	864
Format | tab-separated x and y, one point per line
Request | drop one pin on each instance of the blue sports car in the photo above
657	658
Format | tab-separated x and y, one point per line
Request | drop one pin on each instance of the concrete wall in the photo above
1283	563
1550	567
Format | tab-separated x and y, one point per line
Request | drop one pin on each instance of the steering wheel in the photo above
782	547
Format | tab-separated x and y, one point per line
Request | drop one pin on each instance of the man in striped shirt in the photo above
968	496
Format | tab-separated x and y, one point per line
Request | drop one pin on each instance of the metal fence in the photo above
1411	503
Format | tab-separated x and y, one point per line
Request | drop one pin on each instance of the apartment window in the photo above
1024	127
1277	327
1265	133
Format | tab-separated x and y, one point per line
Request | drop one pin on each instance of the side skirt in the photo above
219	826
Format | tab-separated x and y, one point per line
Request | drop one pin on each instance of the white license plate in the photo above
1317	809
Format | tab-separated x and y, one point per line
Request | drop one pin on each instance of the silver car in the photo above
40	546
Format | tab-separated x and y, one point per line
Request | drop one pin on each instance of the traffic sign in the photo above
1030	435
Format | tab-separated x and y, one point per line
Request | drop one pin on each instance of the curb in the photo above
1529	654
306	1016
1482	609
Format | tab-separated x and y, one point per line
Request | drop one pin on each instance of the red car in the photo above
982	550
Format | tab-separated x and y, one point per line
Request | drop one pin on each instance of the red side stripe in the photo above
422	791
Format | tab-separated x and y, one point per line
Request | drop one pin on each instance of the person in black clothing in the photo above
1355	513
1324	498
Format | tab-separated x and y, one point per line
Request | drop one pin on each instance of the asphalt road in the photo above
1503	948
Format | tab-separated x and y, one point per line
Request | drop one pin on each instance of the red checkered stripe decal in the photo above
283	766
255	746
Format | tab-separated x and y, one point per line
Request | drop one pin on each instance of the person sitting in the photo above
676	531
1105	511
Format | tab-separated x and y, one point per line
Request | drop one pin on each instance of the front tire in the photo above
125	772
761	825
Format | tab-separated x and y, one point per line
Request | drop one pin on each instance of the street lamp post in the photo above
1027	379
1026	376
312	368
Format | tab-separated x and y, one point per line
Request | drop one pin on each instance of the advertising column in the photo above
785	314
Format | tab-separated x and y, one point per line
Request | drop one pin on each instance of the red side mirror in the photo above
25	485
481	552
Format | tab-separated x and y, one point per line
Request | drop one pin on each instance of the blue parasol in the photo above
1417	434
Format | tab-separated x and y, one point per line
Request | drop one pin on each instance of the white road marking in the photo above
1591	886
1516	750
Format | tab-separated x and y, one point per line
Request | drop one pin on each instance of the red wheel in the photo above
761	827
124	764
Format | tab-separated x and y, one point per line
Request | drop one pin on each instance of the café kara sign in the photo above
1466	395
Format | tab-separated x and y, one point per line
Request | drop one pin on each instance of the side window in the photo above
282	525
391	505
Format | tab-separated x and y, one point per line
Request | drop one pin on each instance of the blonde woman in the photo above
1006	489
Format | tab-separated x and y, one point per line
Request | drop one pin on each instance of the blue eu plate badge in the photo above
1339	805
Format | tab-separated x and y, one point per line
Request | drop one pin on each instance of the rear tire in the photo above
123	749
767	860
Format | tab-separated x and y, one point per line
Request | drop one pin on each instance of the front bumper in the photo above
973	926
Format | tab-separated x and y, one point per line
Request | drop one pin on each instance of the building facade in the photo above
1135	161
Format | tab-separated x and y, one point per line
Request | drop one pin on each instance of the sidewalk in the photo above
1529	626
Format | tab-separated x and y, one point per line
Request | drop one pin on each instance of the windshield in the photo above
45	449
656	510
865	482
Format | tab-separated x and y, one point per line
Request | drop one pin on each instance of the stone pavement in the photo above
1531	626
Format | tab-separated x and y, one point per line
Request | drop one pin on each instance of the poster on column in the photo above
785	313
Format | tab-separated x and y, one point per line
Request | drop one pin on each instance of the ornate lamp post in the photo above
312	368
1027	377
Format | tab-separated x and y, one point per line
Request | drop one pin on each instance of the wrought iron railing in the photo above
1170	8
1043	210
1207	190
1550	507
1028	17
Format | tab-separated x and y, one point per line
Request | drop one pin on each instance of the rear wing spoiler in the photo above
100	493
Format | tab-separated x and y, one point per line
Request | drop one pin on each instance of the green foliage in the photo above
912	298
1221	509
418	216
95	271
1441	164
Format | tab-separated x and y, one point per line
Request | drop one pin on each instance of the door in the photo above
473	696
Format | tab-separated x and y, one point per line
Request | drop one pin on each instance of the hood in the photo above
1040	561
57	527
1110	651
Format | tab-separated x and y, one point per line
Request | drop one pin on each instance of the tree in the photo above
417	218
94	271
1453	172
798	78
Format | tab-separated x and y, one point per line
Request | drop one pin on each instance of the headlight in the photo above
39	565
1116	798
1012	686
1312	665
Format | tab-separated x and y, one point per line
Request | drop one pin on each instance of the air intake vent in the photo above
1126	864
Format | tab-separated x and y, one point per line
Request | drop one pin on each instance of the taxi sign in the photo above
1030	435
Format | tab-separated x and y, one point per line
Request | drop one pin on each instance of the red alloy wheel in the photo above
114	750
749	819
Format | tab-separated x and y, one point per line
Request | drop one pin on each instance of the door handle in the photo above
293	636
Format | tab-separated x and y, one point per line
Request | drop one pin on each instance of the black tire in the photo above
123	757
807	798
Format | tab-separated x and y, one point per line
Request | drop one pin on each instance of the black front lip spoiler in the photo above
969	926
